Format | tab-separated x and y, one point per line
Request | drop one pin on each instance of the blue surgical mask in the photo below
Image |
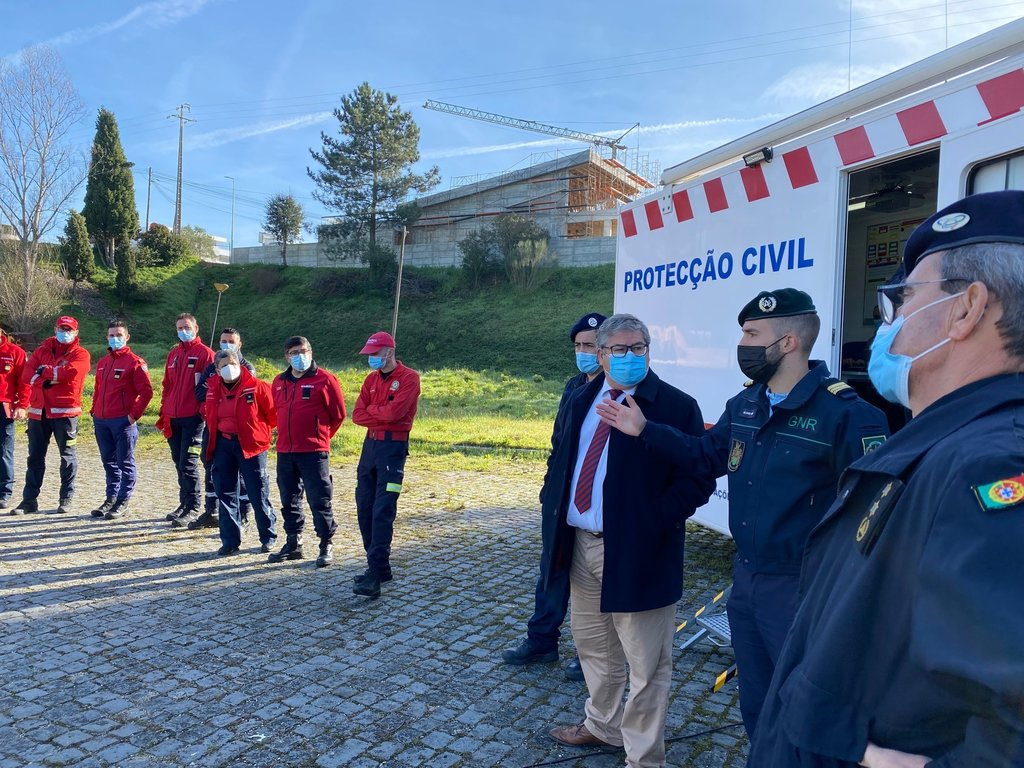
376	363
116	342
186	335
65	337
890	373
228	347
628	370
301	362
587	362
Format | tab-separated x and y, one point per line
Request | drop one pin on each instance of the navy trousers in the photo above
6	455
761	609
379	478
209	492
228	464
186	445
549	605
116	440
65	432
309	473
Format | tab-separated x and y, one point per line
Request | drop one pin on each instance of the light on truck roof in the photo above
763	155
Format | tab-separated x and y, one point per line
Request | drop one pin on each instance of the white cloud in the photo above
223	136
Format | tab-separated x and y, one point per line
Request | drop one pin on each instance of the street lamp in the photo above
231	242
221	287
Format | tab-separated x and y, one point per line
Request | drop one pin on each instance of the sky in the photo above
262	78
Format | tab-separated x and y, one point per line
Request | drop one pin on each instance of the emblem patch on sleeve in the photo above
872	443
1001	493
736	454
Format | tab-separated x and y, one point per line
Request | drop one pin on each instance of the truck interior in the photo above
885	203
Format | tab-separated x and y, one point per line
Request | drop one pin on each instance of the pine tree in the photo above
110	211
75	250
366	172
284	221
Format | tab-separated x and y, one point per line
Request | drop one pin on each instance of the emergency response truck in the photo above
822	201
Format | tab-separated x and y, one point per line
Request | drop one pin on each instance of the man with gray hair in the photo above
908	646
619	529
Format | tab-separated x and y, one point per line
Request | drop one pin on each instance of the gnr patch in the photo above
736	454
872	443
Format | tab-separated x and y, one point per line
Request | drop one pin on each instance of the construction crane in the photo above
531	125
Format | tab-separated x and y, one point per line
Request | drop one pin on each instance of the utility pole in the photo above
149	194
180	117
231	241
398	282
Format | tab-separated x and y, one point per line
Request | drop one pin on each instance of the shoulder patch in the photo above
872	443
839	388
1000	494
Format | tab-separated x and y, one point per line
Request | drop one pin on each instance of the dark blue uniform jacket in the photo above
783	469
571	386
646	498
910	632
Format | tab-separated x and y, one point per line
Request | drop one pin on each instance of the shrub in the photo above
265	281
164	248
30	305
328	283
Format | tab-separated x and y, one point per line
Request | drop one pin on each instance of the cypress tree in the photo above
110	211
75	250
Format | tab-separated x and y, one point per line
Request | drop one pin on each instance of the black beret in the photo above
988	217
589	322
784	302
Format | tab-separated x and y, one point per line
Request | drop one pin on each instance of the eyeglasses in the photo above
620	350
892	297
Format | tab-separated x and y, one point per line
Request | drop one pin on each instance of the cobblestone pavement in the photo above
128	643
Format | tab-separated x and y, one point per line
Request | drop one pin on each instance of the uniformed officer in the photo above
386	406
14	393
310	410
551	602
122	392
56	373
783	442
180	420
908	647
230	339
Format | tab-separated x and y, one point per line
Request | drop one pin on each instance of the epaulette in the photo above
748	383
839	388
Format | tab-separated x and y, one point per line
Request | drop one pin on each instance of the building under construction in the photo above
572	196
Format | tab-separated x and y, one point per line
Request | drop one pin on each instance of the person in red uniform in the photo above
55	373
180	420
240	415
122	392
310	409
386	406
13	404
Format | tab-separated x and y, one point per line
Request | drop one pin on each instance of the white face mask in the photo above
230	372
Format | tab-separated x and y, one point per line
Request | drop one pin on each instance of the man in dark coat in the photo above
908	646
551	597
619	527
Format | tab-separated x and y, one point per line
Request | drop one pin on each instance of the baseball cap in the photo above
67	320
378	341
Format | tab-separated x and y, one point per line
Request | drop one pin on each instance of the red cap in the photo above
67	320
380	340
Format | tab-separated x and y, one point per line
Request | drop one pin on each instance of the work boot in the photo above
227	549
529	652
203	521
186	520
4	503
369	586
103	508
292	550
26	507
120	509
384	578
326	554
172	516
243	512
64	507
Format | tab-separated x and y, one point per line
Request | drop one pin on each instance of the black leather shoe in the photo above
226	550
25	507
326	554
292	550
264	548
529	653
574	671
120	509
4	503
384	578
368	587
103	508
172	516
202	521
186	520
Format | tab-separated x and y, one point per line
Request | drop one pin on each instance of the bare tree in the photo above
40	170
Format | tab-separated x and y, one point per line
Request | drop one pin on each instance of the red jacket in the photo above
388	404
309	410
122	387
57	387
254	412
13	390
184	369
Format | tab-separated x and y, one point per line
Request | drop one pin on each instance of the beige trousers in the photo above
606	642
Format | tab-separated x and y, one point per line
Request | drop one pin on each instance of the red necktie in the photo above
585	484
